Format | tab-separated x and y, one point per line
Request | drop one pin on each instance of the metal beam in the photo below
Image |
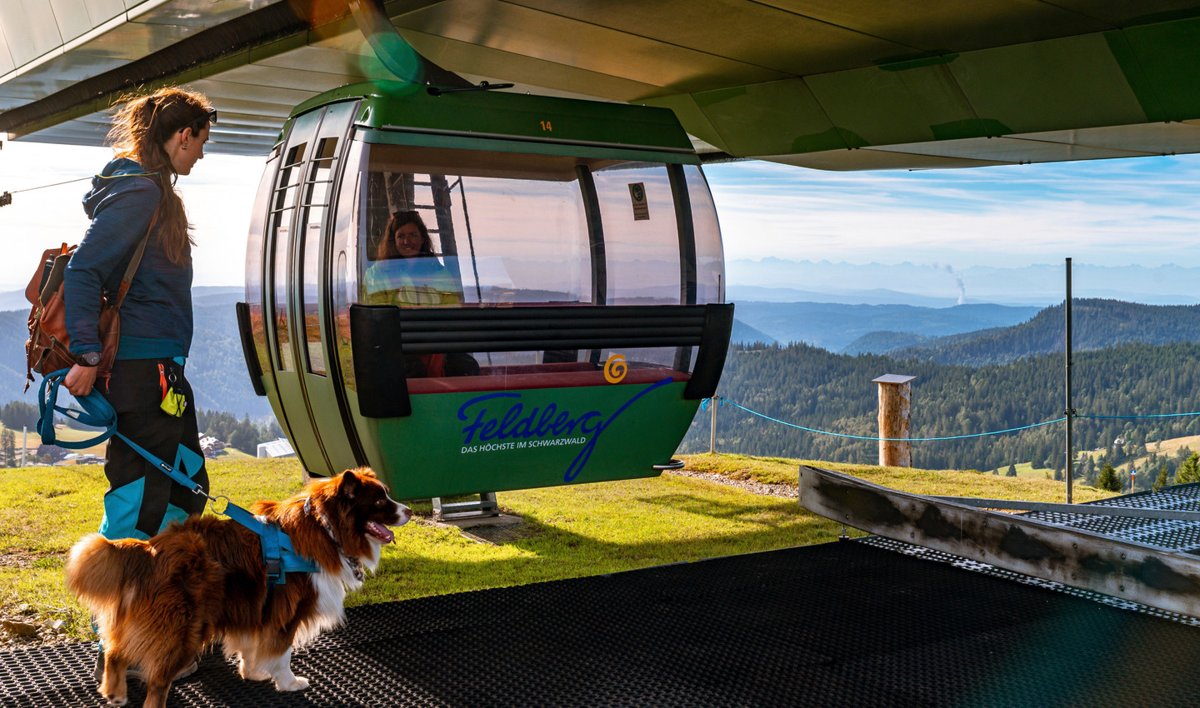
1168	580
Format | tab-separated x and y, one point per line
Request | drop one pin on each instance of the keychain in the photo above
173	402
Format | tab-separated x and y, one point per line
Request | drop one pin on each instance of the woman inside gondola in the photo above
408	273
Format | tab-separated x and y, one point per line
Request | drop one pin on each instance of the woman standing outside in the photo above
156	139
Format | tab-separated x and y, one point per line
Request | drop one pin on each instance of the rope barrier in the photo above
47	186
721	401
6	197
726	401
1135	417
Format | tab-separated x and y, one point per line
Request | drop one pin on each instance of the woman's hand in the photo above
80	380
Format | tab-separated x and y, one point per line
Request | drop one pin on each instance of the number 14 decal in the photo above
546	127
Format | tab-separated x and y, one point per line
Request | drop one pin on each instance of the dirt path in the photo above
774	490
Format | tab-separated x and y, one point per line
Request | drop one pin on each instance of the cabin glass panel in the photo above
641	243
283	206
318	187
641	237
504	229
254	266
710	261
345	258
511	230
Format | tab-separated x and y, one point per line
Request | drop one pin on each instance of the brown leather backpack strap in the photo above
127	280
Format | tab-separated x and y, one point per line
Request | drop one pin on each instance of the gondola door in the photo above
312	291
294	324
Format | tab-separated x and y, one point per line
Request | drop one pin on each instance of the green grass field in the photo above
566	531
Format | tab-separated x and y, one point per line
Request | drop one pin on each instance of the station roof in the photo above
820	84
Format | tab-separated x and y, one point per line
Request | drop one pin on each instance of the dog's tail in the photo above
100	571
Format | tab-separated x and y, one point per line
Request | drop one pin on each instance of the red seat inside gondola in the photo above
529	376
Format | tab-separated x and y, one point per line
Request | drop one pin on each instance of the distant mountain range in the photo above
940	285
839	327
1096	324
745	334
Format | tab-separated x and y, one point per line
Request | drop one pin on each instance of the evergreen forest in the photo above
812	387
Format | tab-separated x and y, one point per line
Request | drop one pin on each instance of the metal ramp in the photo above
837	624
1165	533
1087	546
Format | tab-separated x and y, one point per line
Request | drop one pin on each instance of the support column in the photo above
895	403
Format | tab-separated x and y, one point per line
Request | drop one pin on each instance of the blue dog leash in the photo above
95	411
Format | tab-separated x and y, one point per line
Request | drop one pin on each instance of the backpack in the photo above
48	347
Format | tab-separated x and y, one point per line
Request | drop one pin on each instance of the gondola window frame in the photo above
279	260
317	196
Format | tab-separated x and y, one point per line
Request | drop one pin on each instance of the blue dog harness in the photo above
95	411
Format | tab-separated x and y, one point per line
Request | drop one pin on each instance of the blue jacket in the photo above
156	318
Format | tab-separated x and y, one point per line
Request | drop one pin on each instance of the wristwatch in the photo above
89	359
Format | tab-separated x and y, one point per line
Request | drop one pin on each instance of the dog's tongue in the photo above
380	532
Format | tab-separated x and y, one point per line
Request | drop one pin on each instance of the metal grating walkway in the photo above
1164	533
844	623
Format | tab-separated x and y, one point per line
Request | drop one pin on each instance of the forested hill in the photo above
1097	324
814	388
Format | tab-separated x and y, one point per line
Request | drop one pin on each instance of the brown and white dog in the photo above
157	603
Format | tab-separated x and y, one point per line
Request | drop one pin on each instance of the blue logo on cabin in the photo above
539	423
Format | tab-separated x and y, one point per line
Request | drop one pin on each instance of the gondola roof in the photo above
512	121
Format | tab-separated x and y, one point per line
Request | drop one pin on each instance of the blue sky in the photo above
1140	211
1105	212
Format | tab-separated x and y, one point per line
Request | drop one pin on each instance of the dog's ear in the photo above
349	484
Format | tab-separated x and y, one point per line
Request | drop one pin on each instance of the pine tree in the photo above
1161	481
1189	471
1107	479
1012	471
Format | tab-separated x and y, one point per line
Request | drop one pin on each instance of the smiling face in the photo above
407	240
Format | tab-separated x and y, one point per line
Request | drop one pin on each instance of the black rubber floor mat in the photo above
841	624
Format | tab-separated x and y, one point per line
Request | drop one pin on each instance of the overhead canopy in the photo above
834	84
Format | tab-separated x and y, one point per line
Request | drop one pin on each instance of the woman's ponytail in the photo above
140	128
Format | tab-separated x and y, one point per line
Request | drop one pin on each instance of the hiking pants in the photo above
141	499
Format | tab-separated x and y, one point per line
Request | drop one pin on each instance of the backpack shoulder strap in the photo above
136	261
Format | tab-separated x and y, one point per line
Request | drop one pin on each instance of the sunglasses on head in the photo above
206	119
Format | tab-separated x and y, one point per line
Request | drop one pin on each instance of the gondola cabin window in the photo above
283	204
467	229
317	190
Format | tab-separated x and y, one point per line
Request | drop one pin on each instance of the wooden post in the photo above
895	402
712	432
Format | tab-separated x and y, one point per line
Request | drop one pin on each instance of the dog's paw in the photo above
251	674
296	683
115	700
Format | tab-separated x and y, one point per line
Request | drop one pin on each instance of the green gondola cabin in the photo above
564	329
